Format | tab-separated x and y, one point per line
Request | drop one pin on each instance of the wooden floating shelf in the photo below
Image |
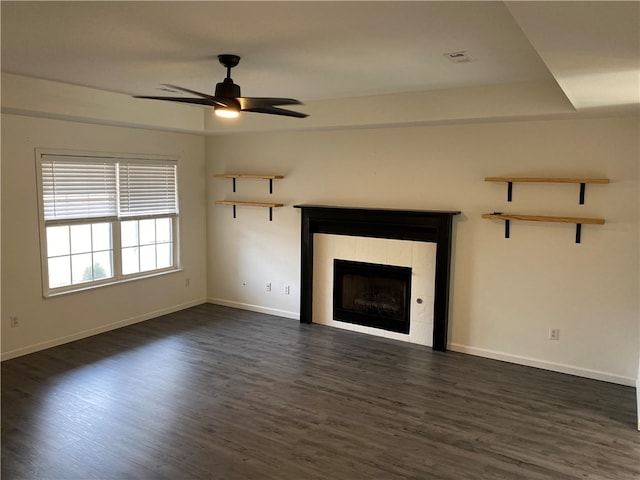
249	204
235	176
235	203
578	221
243	175
542	218
511	180
546	180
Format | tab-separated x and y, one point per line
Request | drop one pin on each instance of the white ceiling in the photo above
328	50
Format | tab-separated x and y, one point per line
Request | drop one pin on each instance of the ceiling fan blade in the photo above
196	101
200	94
268	105
258	102
276	111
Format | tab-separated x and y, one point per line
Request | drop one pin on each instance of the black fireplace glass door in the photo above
372	294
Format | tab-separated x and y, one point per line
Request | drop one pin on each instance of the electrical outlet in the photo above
554	334
269	287
287	289
15	322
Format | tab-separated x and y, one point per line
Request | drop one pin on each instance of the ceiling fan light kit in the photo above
227	101
226	112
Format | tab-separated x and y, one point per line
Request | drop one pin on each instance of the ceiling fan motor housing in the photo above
227	89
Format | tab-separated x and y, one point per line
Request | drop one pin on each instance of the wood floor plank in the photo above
214	392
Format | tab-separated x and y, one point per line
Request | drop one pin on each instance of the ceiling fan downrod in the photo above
228	61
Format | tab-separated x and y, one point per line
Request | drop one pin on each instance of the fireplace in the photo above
416	225
372	295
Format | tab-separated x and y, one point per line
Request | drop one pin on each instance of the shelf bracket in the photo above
506	228
509	192
270	214
582	187
234	211
578	232
234	184
271	185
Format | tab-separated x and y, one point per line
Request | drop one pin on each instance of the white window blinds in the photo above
147	188
93	187
74	188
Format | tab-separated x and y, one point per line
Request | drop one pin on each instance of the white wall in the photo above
47	322
506	293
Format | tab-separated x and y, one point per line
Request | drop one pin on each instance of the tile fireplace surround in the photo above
410	225
419	256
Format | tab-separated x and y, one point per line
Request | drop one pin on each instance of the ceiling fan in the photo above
227	101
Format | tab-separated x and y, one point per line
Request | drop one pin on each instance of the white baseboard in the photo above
543	364
255	308
95	331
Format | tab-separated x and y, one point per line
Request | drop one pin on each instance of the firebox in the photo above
372	295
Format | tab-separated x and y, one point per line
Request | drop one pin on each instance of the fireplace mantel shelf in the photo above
368	209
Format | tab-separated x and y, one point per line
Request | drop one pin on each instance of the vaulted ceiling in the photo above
585	56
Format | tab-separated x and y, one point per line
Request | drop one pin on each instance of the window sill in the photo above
107	283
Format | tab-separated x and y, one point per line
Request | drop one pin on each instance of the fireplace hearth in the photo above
372	295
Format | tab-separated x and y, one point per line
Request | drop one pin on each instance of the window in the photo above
106	219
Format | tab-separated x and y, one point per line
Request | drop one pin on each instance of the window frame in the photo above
115	222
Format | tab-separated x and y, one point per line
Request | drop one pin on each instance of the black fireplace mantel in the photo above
418	225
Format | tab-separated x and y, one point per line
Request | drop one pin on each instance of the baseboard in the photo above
638	399
255	308
534	362
95	331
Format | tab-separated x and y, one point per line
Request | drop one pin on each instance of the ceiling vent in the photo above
459	57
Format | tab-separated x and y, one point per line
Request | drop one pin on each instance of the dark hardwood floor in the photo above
213	392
